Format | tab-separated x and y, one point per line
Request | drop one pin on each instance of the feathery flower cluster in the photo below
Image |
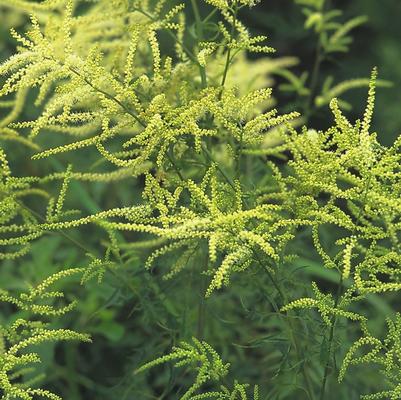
22	334
345	178
386	354
209	366
225	4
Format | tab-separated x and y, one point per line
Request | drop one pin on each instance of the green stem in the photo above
314	80
331	337
109	96
210	158
124	281
290	332
71	362
228	58
171	34
173	163
199	34
202	302
223	81
315	71
337	299
210	15
240	148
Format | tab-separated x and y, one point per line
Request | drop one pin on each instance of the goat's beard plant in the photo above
129	107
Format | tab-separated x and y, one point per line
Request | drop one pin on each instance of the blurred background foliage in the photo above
374	43
133	315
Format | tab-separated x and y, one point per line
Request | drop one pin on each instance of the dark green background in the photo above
377	43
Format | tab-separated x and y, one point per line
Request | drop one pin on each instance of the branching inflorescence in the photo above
168	117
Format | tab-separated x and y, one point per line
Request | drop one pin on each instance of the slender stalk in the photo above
173	163
319	57
293	338
331	337
127	110
228	57
109	96
240	149
314	79
82	247
210	15
223	81
71	362
210	158
202	302
200	37
337	299
171	34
